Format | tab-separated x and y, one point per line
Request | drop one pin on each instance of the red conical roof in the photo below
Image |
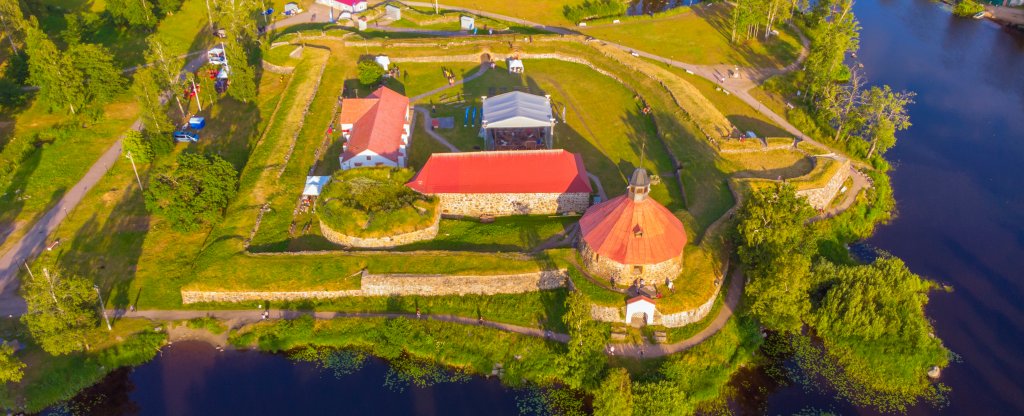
629	231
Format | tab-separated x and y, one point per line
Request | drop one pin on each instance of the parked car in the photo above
185	137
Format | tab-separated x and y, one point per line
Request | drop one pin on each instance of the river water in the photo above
958	182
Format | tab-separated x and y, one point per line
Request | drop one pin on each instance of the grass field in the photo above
505	234
773	164
610	133
547	12
702	37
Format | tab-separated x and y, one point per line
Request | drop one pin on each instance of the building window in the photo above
369	157
638	269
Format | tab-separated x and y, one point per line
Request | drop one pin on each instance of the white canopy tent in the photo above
517	121
314	185
517	109
383	61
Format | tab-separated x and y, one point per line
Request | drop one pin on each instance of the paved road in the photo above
33	243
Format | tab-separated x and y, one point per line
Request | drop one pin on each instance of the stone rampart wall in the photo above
399	285
380	242
820	198
277	69
475	205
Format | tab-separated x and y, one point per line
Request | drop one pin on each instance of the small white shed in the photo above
383	61
515	66
642	306
467	22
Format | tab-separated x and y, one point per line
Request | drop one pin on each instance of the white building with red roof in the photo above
505	182
375	129
632	237
351	6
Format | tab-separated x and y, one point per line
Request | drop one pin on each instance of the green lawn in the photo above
701	37
739	113
517	233
546	12
770	165
610	132
420	77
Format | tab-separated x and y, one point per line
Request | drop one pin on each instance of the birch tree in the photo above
885	113
61	310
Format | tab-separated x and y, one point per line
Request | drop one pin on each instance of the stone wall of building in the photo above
820	198
608	269
475	205
380	242
400	285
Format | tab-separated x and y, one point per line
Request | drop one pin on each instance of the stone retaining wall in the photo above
278	69
380	242
678	319
820	198
606	313
475	205
400	285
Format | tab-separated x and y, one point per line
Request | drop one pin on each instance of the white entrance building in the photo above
642	306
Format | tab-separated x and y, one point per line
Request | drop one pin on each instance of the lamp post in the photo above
130	158
102	309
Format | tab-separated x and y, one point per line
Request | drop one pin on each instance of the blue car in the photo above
185	137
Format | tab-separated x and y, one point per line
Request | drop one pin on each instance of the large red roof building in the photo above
632	236
376	129
506	182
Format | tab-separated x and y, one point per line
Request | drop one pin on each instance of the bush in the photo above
208	323
369	72
371	202
594	9
138	349
194	192
136	145
967	8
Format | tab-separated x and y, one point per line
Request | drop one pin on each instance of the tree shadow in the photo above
760	127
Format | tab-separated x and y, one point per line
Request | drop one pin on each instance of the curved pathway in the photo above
250	316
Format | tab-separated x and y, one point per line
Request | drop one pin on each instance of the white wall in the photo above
640	307
368	158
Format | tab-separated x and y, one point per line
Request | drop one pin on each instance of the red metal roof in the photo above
521	171
380	126
633	232
350	2
640	298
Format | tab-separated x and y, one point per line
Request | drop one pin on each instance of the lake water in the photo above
958	181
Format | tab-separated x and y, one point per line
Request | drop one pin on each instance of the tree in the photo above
60	82
615	395
61	310
12	21
966	8
884	112
11	368
166	68
841	104
242	75
192	193
774	244
137	145
147	89
132	13
101	79
369	72
585	359
838	35
168	7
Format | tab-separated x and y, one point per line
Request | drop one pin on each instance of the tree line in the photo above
861	117
869	318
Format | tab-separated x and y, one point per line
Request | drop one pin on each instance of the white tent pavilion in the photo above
517	121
